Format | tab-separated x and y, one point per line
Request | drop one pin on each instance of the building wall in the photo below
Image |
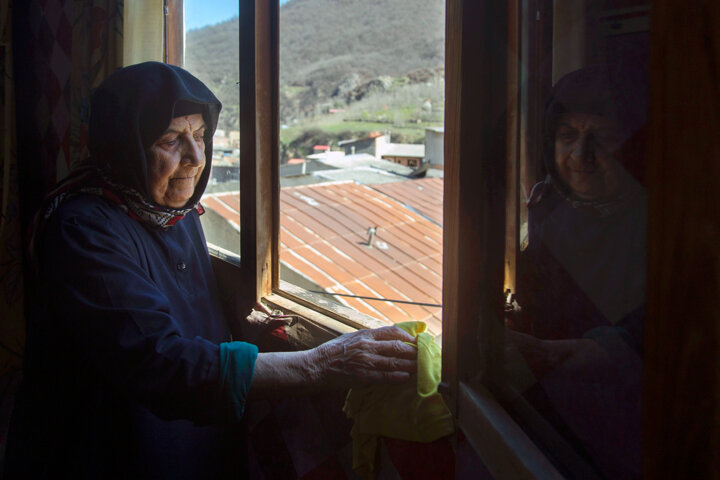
434	144
225	173
381	144
411	162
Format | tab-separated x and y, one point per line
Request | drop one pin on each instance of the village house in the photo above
434	144
408	154
373	144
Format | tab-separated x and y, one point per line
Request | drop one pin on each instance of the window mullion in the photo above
258	146
474	215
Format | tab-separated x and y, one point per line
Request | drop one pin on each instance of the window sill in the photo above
320	319
499	441
223	254
328	309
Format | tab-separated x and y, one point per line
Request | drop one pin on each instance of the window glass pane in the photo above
576	299
211	54
361	154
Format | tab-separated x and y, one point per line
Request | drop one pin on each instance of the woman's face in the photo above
177	160
585	146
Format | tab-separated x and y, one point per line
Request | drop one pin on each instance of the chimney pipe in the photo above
371	234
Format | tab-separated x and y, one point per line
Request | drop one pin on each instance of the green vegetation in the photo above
379	63
299	140
404	111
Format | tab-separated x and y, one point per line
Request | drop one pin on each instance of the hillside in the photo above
323	42
332	52
211	53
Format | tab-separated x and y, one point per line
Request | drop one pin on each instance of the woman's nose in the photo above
584	150
193	152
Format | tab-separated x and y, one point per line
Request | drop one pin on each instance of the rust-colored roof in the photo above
323	237
424	196
227	205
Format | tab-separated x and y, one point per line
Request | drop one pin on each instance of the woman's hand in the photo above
540	355
543	356
367	356
350	360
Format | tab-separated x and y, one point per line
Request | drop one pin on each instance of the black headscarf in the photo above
132	108
612	91
129	111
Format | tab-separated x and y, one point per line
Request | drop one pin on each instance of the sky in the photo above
199	13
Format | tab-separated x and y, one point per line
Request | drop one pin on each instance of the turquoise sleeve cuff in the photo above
237	364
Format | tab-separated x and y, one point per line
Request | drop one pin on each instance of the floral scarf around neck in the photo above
95	181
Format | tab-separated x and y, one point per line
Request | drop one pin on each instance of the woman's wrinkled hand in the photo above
364	357
539	354
543	356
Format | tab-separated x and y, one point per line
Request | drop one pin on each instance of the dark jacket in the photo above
126	367
122	364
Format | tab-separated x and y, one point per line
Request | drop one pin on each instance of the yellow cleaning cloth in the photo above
412	411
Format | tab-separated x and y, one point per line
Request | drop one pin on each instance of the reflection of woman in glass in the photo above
581	281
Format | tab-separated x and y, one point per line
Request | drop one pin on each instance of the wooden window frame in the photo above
680	358
477	74
481	107
503	446
174	32
507	450
259	170
259	177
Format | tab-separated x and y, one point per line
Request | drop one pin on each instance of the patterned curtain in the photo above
97	52
53	53
12	330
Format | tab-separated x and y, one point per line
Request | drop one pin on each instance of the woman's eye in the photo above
566	134
608	138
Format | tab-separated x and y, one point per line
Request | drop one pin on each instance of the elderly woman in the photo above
131	371
583	272
581	279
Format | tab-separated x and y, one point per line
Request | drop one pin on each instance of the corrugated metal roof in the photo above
349	164
362	175
323	236
425	196
227	205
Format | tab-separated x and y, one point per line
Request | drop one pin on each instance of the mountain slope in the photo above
327	48
323	41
